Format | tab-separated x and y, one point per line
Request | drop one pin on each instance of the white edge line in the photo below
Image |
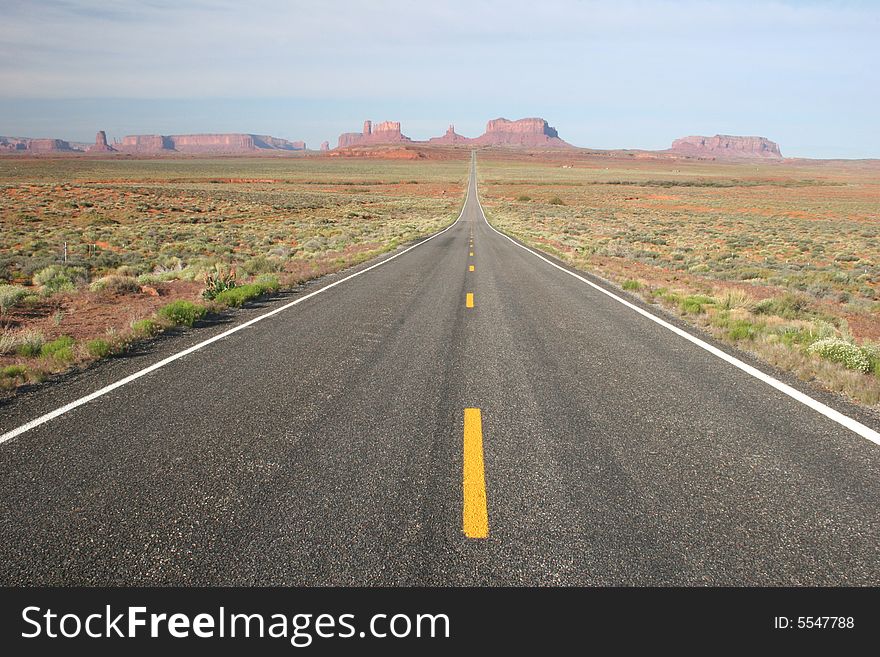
9	435
836	416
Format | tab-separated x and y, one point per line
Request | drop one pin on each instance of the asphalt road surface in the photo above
425	423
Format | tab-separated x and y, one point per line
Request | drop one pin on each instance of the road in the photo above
425	423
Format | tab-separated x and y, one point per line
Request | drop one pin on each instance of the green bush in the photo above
182	313
693	304
59	349
59	278
741	329
632	285
29	343
10	296
146	327
523	198
243	293
13	371
840	351
239	295
99	348
556	201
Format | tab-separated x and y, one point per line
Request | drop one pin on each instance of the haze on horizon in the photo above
624	74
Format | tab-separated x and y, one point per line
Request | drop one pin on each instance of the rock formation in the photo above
325	145
101	145
726	147
451	137
31	145
387	132
145	144
207	143
530	133
524	133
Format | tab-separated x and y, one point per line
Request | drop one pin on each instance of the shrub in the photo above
556	201
8	342
788	306
29	343
239	295
840	351
11	295
632	285
268	282
734	299
741	329
872	353
182	313
99	348
59	349
693	304
116	284
146	327
263	265
13	371
523	198
243	293
59	278
218	281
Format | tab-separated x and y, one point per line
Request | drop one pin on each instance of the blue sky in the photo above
620	74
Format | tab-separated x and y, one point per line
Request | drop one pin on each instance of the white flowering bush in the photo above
840	351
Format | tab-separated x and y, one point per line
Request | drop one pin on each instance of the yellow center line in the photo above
472	253
471	268
475	517
469	300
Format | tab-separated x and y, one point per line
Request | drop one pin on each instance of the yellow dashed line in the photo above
469	300
471	268
475	517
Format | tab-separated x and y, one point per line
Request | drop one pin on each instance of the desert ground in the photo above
780	259
98	254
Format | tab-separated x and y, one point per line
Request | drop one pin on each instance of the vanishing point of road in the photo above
466	413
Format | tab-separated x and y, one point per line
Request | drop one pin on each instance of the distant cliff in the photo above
206	143
31	145
451	137
727	147
523	133
386	132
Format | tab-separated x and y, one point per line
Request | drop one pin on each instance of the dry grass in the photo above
89	246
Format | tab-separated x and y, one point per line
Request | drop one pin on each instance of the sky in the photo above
610	74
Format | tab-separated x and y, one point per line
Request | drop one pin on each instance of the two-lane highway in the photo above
465	413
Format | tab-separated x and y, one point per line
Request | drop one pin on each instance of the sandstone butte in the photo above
207	143
100	145
528	133
451	137
30	145
726	147
386	132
